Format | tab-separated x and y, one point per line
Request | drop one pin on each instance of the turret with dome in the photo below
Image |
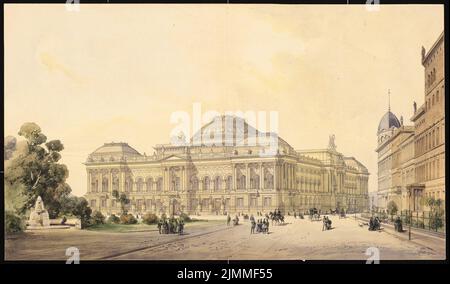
388	123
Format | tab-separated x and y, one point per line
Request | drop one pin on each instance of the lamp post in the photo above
409	213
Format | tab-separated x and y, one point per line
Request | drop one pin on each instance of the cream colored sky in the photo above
117	72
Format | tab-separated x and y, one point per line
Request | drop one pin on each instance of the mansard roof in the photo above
235	131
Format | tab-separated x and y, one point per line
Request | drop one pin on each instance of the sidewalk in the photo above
426	239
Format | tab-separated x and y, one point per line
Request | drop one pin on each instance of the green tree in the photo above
38	170
392	208
123	199
82	211
436	214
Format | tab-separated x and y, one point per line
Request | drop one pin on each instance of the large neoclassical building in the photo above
231	176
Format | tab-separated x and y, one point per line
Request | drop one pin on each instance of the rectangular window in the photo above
103	203
267	201
240	202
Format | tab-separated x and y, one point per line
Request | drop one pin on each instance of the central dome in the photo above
388	121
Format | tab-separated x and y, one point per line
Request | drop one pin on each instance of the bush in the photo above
185	217
128	219
436	222
13	223
98	218
113	219
83	212
150	218
392	208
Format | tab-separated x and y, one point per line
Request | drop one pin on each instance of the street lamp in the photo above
409	213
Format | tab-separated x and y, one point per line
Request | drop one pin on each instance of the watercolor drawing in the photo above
224	132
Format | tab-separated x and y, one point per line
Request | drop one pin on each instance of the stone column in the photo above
223	183
89	181
275	176
121	181
261	176
110	182
165	179
182	182
247	176
233	185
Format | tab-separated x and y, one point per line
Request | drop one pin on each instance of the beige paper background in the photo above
117	72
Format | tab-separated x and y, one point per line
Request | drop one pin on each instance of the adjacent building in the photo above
234	176
411	159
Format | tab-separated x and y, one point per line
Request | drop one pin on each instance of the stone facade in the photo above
224	178
411	159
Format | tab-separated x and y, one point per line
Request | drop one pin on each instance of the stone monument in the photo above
39	215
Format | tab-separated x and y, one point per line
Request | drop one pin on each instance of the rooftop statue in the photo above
331	144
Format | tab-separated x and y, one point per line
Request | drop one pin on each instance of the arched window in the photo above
139	185
175	183
437	135
437	96
217	183
229	182
268	180
128	184
432	100
149	184
241	182
159	184
194	183
115	183
105	184
206	183
254	181
94	185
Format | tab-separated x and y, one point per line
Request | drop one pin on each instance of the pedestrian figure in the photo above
228	220
159	226
252	230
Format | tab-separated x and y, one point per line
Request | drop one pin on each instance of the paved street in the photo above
298	239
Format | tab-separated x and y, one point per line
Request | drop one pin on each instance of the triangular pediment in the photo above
173	158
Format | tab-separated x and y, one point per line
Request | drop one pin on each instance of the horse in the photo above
277	218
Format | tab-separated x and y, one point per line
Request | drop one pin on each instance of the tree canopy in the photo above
38	170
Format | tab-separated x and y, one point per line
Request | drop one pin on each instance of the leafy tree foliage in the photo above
436	213
123	199
82	211
392	208
38	170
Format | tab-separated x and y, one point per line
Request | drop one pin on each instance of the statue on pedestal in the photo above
39	215
331	144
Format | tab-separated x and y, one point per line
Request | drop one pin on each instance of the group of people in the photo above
374	223
300	215
235	220
261	226
326	223
171	226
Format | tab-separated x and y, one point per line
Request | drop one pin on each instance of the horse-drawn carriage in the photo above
314	214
